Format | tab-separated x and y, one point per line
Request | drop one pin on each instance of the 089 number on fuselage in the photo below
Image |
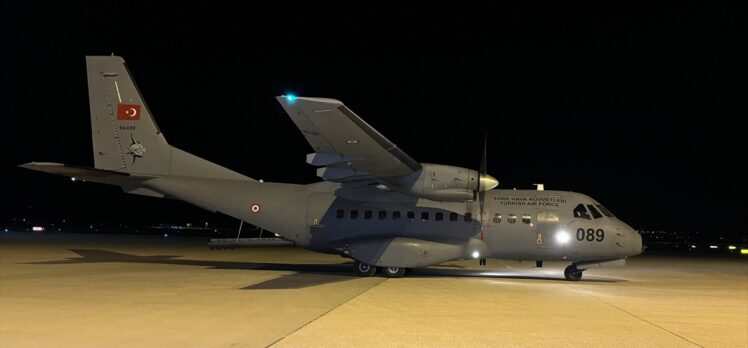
590	235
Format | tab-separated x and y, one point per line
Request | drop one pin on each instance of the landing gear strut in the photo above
364	270
571	273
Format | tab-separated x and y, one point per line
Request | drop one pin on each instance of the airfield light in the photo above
732	247
476	254
290	98
713	247
37	229
562	237
72	179
744	251
166	235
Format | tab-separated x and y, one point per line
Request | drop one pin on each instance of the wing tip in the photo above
291	99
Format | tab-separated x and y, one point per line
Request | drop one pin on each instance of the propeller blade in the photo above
483	169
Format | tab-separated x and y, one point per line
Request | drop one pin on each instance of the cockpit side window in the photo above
596	214
581	212
605	211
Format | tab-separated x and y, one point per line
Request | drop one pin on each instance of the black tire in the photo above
393	272
364	270
571	273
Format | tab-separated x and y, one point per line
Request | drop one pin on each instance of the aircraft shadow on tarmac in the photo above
306	275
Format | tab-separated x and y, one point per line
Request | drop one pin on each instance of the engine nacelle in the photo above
443	183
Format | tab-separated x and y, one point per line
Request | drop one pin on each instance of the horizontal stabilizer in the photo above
84	173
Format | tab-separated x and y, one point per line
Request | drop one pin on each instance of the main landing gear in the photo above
571	273
365	270
394	272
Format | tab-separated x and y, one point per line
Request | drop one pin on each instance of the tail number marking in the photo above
590	235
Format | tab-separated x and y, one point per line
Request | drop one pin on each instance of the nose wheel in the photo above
571	273
364	270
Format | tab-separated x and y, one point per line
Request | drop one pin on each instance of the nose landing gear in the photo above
571	273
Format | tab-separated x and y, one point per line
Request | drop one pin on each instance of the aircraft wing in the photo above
346	147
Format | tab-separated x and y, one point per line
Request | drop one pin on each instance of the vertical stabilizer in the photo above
125	137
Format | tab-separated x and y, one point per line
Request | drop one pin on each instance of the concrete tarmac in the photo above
89	290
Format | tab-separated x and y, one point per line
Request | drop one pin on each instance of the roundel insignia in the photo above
255	208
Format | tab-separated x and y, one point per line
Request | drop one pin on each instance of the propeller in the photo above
481	184
485	182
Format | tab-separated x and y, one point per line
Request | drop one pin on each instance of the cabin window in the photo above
395	215
497	218
605	211
382	215
511	218
354	214
596	214
581	212
367	214
340	213
547	216
439	216
452	216
425	216
526	219
468	217
411	215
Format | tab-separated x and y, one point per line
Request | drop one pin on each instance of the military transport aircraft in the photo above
376	205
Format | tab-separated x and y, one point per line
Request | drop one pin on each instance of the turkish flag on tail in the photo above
128	112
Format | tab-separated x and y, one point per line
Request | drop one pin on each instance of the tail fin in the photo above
125	136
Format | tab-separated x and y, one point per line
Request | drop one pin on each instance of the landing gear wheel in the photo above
571	273
363	269
394	272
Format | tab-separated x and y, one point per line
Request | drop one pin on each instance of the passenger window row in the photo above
353	214
512	218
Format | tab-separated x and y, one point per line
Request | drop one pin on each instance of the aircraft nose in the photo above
637	245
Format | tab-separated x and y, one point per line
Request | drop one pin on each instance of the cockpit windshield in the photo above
605	211
581	212
596	214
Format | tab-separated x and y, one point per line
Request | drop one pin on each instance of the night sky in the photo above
640	107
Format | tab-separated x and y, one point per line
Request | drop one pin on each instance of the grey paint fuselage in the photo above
307	214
